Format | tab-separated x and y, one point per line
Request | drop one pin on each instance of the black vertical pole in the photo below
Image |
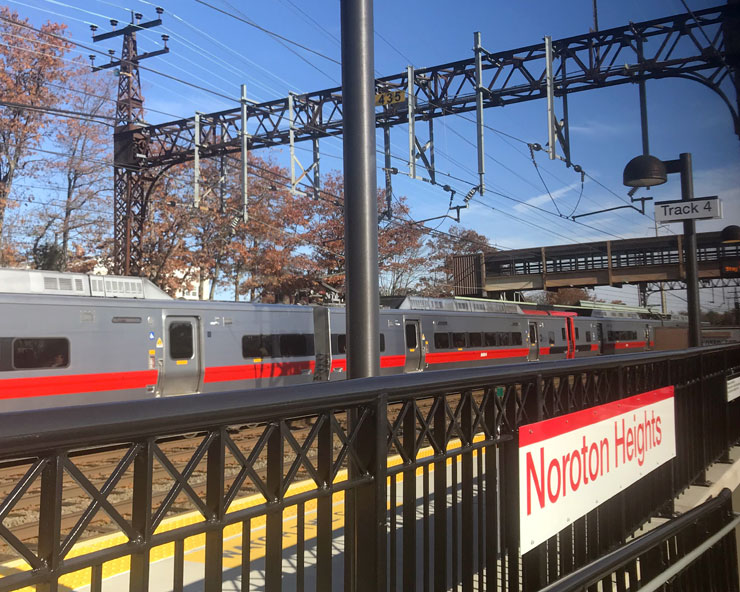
692	275
360	189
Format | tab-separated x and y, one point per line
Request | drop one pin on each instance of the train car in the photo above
74	339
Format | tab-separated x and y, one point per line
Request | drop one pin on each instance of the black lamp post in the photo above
648	171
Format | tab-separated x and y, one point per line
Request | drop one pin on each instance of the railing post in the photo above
274	518
141	515
50	520
370	567
440	497
466	424
534	563
409	499
492	545
215	466
702	478
324	507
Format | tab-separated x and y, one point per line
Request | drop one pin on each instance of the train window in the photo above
577	334
490	339
181	340
474	339
257	346
411	342
622	335
458	339
339	343
588	336
551	337
442	341
40	353
504	338
563	330
516	339
296	344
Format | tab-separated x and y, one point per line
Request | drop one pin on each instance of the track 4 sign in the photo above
701	208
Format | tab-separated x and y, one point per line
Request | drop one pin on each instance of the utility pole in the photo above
129	147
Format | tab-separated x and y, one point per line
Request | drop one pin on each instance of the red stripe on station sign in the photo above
550	428
46	386
570	465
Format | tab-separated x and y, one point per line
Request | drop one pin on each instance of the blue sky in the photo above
219	52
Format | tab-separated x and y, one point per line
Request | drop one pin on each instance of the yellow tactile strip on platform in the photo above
121	565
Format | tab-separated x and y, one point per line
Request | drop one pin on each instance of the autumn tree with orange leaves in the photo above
32	81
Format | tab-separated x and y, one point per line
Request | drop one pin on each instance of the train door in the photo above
534	342
182	358
600	336
570	330
414	347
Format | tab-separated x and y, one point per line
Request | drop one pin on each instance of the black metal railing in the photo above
696	551
393	483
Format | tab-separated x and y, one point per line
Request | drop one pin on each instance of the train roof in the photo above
448	304
57	283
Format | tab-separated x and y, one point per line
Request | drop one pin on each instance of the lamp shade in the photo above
730	234
644	171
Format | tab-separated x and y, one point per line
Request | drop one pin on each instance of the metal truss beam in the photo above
652	287
667	47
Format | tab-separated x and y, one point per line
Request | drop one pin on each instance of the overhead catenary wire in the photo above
100	52
556	204
498	162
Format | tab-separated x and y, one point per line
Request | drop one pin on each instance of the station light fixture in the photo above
645	171
730	234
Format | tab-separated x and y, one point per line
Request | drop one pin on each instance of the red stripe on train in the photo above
45	386
470	356
340	364
255	371
627	344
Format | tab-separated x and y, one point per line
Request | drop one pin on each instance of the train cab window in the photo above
474	339
296	344
257	346
442	341
29	353
588	336
181	340
411	342
458	339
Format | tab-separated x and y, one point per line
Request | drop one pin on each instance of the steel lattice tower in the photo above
130	148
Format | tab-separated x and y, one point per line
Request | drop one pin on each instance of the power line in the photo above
99	52
271	33
90	117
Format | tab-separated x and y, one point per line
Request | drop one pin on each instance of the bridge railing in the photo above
399	483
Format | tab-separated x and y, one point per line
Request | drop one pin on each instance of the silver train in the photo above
73	339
